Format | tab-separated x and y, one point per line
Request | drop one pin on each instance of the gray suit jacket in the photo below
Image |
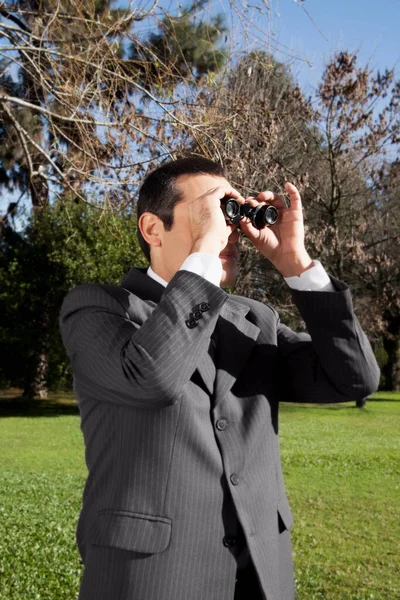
178	391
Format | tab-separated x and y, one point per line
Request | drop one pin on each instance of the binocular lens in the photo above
270	215
232	210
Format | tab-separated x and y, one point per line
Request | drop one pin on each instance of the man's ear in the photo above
151	228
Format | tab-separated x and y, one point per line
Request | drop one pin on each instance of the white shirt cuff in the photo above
206	265
315	279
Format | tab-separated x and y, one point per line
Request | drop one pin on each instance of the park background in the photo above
92	95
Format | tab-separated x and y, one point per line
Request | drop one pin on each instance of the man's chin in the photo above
229	276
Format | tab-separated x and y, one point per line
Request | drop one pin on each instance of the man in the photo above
179	384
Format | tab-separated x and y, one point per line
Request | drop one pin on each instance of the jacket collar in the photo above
139	283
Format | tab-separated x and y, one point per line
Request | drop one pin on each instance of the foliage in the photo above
359	126
338	148
85	94
190	49
65	245
353	199
87	103
261	132
341	469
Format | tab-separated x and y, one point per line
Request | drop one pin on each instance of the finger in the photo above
294	195
252	200
233	193
224	191
272	198
248	230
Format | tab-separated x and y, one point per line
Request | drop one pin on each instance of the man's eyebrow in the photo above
208	192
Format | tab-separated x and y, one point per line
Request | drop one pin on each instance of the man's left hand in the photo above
282	243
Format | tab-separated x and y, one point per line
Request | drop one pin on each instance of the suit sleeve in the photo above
334	362
145	364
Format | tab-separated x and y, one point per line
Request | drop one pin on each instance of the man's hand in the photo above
210	230
282	243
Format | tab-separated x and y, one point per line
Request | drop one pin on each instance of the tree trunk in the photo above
36	380
36	373
396	365
391	343
39	191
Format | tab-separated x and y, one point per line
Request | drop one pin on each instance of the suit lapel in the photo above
207	370
236	338
236	335
150	291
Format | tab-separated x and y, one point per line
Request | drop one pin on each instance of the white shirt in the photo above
209	266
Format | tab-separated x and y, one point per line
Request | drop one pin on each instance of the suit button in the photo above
204	306
222	424
197	314
234	479
229	541
191	323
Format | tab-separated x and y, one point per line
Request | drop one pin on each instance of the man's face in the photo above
178	242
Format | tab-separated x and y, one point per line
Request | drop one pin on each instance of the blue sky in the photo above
370	27
306	34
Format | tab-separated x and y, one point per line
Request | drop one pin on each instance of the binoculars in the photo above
260	216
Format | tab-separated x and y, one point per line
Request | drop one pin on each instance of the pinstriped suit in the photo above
181	434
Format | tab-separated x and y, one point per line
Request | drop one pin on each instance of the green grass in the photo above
341	468
42	473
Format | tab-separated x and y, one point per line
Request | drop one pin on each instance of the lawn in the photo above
341	468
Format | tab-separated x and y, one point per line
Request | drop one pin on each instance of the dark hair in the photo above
159	192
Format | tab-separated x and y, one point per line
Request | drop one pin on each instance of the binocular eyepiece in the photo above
260	216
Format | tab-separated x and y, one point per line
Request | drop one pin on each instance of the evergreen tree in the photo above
68	244
73	123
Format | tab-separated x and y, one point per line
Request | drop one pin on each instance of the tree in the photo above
90	108
351	205
70	243
81	118
385	252
188	46
260	131
337	149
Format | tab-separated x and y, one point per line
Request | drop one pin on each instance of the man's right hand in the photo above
210	230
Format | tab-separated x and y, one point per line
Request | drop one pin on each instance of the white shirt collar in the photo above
156	277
